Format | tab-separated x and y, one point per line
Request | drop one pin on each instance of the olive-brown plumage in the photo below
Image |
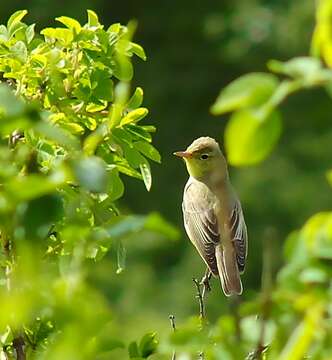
212	212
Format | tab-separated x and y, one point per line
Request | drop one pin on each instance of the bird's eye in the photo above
204	156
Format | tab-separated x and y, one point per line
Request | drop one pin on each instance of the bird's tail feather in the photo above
228	270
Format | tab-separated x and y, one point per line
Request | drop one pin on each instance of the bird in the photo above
212	214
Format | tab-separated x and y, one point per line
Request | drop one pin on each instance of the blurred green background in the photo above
195	48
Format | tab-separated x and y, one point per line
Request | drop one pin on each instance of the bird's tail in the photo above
228	270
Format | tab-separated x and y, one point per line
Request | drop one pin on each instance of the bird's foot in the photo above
205	282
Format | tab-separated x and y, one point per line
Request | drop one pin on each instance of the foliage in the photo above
69	127
57	160
294	315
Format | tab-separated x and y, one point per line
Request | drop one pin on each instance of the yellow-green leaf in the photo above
134	116
250	138
246	91
70	23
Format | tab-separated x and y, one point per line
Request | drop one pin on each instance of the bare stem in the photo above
200	299
206	282
18	341
172	320
266	295
18	345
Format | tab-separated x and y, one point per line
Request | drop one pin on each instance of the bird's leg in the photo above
206	281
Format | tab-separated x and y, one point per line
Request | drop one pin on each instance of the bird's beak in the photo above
183	154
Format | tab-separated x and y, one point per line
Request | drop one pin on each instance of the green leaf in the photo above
249	138
123	69
138	132
116	187
138	50
125	225
30	33
317	234
33	186
57	134
40	214
156	223
146	173
148	345
91	174
9	103
133	350
20	51
121	257
70	23
136	100
247	91
148	150
16	18
301	338
307	68
313	275
134	116
63	35
3	34
134	157
92	18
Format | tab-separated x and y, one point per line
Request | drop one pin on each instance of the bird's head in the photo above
204	159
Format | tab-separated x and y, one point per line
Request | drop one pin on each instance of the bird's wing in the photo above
200	222
239	234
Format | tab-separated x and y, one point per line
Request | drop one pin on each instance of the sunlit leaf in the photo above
123	68
146	173
134	116
136	100
70	23
16	17
63	35
247	91
30	33
92	18
138	50
249	138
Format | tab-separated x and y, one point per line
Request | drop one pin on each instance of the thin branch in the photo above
266	294
18	341
206	282
18	345
200	299
172	320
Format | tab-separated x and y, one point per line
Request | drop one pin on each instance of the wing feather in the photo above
239	235
200	222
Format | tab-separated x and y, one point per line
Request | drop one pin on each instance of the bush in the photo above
69	126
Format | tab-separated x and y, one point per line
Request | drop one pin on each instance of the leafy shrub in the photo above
69	126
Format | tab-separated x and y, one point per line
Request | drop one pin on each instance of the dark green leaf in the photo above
133	350
148	345
148	150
